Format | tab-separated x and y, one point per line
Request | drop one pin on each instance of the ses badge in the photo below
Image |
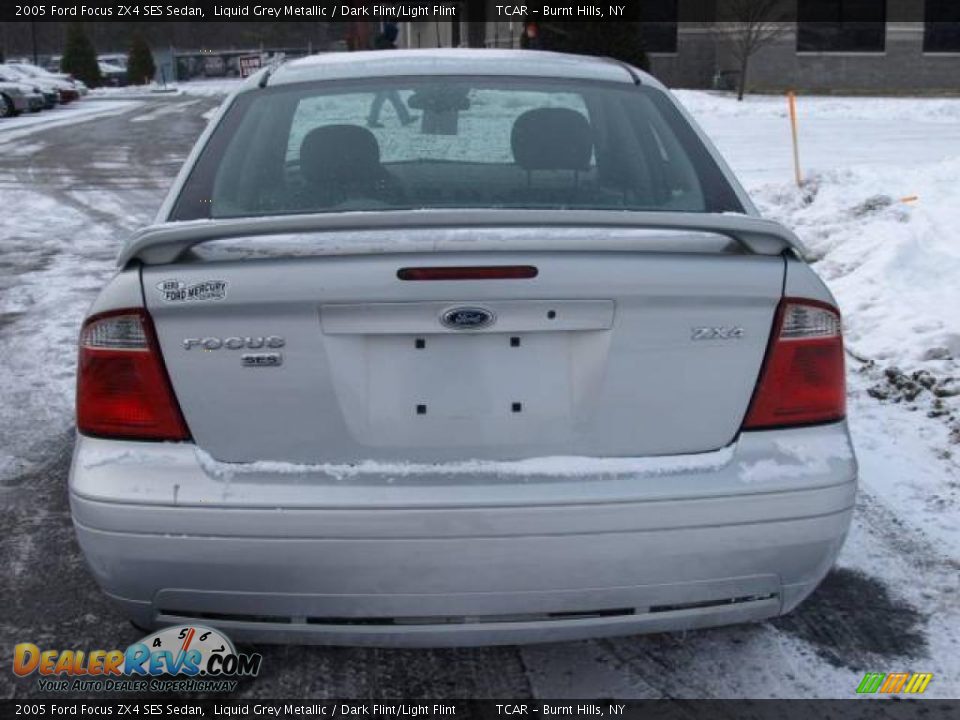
179	291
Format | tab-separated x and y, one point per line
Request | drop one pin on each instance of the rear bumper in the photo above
470	560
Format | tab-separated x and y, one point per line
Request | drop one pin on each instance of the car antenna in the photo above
627	67
273	63
266	76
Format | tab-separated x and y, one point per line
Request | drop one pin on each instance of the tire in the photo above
7	108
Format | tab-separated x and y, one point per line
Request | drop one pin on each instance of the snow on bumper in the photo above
469	553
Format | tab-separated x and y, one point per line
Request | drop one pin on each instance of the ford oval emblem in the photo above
467	318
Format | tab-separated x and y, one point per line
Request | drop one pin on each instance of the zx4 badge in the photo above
717	333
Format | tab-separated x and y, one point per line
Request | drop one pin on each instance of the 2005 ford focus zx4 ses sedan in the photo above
458	348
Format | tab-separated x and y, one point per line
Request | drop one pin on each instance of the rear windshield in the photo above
408	143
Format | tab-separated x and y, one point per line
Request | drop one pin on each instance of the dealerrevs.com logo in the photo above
183	658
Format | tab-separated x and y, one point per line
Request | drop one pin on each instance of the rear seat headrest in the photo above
552	139
339	153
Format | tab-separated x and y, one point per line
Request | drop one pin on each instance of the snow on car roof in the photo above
530	63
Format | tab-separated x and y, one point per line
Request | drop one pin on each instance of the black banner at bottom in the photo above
854	709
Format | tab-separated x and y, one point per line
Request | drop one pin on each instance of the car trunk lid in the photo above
310	358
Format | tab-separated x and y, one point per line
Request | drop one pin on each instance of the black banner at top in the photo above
658	11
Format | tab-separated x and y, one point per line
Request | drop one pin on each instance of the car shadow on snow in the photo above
851	620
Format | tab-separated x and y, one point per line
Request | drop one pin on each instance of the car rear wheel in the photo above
7	108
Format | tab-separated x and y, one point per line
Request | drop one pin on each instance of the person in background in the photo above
387	40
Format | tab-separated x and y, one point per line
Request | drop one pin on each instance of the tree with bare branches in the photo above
747	26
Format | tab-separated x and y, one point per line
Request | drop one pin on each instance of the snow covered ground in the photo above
69	195
892	264
80	111
214	88
894	267
878	212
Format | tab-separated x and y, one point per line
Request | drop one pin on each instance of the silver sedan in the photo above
456	348
16	97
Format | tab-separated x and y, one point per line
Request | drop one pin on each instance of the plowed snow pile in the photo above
878	211
894	266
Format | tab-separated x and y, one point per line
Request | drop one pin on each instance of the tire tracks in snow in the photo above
60	242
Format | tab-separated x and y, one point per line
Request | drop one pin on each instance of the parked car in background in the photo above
113	75
36	100
13	99
530	369
118	59
69	88
47	88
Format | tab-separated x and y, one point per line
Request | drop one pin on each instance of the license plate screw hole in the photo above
420	343
551	314
514	342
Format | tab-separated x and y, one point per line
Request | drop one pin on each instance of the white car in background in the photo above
112	74
50	90
70	88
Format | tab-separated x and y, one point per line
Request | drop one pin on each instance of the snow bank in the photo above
207	88
753	107
893	266
152	90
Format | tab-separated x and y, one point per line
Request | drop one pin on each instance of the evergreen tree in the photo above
140	66
79	57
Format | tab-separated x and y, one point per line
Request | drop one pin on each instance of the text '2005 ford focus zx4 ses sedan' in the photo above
459	347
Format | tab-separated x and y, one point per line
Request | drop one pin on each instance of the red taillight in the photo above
802	381
122	386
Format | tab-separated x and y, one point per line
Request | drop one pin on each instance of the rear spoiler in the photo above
166	242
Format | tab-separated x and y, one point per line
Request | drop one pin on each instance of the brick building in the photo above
826	45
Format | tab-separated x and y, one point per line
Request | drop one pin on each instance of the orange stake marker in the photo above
792	102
